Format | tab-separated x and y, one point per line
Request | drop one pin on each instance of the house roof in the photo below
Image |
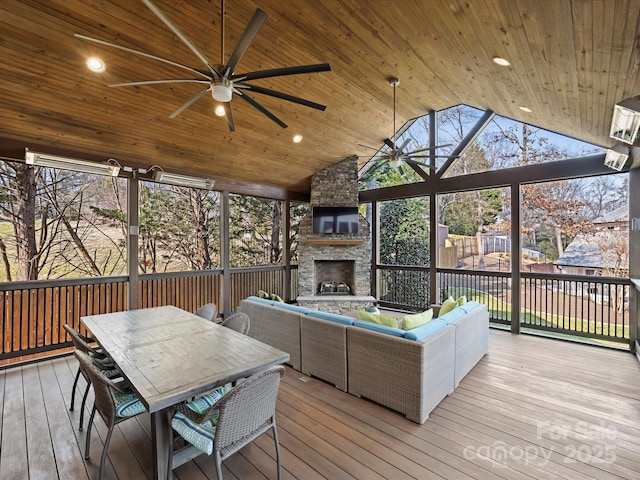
570	63
597	251
618	215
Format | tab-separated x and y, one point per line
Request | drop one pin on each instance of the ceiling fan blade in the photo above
428	165
411	155
143	54
266	112
280	72
156	82
229	116
367	146
435	147
174	28
245	41
389	143
283	96
404	144
189	102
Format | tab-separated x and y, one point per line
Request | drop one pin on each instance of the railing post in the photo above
133	229
516	259
286	231
433	249
375	248
224	254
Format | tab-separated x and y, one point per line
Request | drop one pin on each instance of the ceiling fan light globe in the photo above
395	163
222	93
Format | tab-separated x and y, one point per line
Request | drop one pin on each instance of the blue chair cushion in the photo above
127	404
200	435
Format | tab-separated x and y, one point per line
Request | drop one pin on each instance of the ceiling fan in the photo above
396	153
222	81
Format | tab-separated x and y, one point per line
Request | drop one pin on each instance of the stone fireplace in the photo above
340	258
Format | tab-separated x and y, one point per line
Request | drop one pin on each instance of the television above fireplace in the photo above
335	219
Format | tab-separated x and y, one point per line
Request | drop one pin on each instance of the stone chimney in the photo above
335	257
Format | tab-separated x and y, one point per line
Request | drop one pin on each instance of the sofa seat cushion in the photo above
420	333
264	301
376	327
452	315
332	317
293	308
470	305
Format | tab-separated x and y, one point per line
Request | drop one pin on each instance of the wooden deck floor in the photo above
533	408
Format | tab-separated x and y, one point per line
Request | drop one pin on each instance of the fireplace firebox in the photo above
334	277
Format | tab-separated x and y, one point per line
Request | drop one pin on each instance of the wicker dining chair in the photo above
208	311
235	417
240	322
101	360
113	403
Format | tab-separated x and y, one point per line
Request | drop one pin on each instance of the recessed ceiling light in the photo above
297	138
219	111
525	109
96	65
503	62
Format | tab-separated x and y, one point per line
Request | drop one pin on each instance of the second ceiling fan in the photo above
396	153
222	81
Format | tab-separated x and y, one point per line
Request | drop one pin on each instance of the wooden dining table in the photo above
169	355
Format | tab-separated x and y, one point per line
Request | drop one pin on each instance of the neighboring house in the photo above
605	252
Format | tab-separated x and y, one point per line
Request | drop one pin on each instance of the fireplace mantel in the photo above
334	241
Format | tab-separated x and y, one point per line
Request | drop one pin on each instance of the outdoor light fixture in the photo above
616	157
395	163
626	121
222	90
503	62
183	180
111	168
96	64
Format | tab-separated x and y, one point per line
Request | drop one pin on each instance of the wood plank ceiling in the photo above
571	61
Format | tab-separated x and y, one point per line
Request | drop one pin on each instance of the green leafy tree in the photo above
404	240
255	231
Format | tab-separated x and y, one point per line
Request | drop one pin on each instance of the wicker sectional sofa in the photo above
407	371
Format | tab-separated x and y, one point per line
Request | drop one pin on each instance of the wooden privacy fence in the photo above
247	282
186	290
32	313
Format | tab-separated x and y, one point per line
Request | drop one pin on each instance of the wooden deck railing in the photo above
590	307
32	313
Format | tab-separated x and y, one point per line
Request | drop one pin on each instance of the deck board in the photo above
573	409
